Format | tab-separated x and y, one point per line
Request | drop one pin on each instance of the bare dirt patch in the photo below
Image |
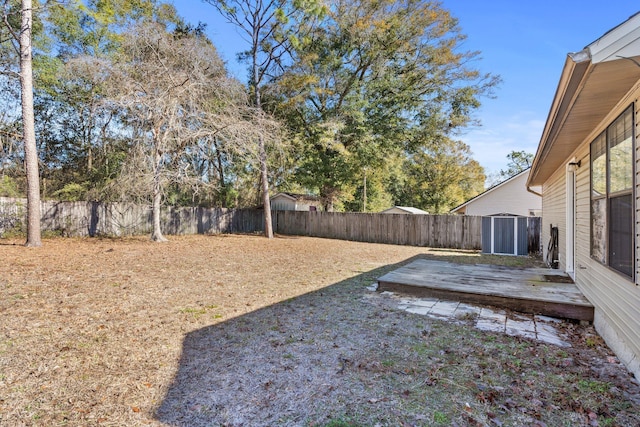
242	331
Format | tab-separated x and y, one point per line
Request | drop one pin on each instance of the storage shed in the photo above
505	235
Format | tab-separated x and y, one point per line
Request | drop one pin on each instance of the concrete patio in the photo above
537	291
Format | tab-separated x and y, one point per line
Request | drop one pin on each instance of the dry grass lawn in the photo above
241	331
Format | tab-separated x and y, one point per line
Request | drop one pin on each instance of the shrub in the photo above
8	187
72	192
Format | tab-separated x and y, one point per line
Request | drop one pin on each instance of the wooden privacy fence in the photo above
436	231
125	219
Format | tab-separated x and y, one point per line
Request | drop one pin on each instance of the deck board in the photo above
532	290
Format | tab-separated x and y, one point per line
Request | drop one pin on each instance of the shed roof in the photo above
593	81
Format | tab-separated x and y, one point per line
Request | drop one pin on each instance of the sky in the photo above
525	42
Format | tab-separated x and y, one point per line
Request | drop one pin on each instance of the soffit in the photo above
586	95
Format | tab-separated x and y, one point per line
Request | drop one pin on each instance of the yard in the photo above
234	330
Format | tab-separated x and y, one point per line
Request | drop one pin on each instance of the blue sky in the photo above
523	41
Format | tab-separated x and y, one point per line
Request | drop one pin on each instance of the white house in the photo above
404	210
587	165
295	202
509	197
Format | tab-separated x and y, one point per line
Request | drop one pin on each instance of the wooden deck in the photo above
533	290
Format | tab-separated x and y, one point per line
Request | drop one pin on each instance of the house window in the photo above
612	214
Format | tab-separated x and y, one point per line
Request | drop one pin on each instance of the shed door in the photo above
523	236
504	236
487	235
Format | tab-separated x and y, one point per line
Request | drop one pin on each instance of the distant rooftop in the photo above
407	209
298	196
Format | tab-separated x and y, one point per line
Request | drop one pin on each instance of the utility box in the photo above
505	235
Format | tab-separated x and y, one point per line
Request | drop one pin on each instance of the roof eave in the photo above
592	83
571	79
285	195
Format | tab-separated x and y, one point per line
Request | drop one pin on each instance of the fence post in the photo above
534	230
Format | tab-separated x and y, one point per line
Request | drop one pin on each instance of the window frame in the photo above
605	226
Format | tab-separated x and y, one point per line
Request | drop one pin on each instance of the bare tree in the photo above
169	84
231	141
22	43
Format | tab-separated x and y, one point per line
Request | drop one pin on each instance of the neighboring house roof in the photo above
406	209
491	190
586	94
296	197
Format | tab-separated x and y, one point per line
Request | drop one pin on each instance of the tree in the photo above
22	40
28	127
364	79
265	24
168	83
518	162
80	144
441	176
11	151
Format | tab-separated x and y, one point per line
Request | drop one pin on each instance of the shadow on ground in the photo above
344	355
286	364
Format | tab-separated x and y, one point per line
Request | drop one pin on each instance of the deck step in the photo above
531	290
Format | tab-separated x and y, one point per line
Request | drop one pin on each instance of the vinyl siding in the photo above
636	119
553	214
615	297
583	215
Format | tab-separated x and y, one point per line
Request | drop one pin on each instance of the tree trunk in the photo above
156	235
364	192
220	170
328	195
29	134
266	202
264	175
